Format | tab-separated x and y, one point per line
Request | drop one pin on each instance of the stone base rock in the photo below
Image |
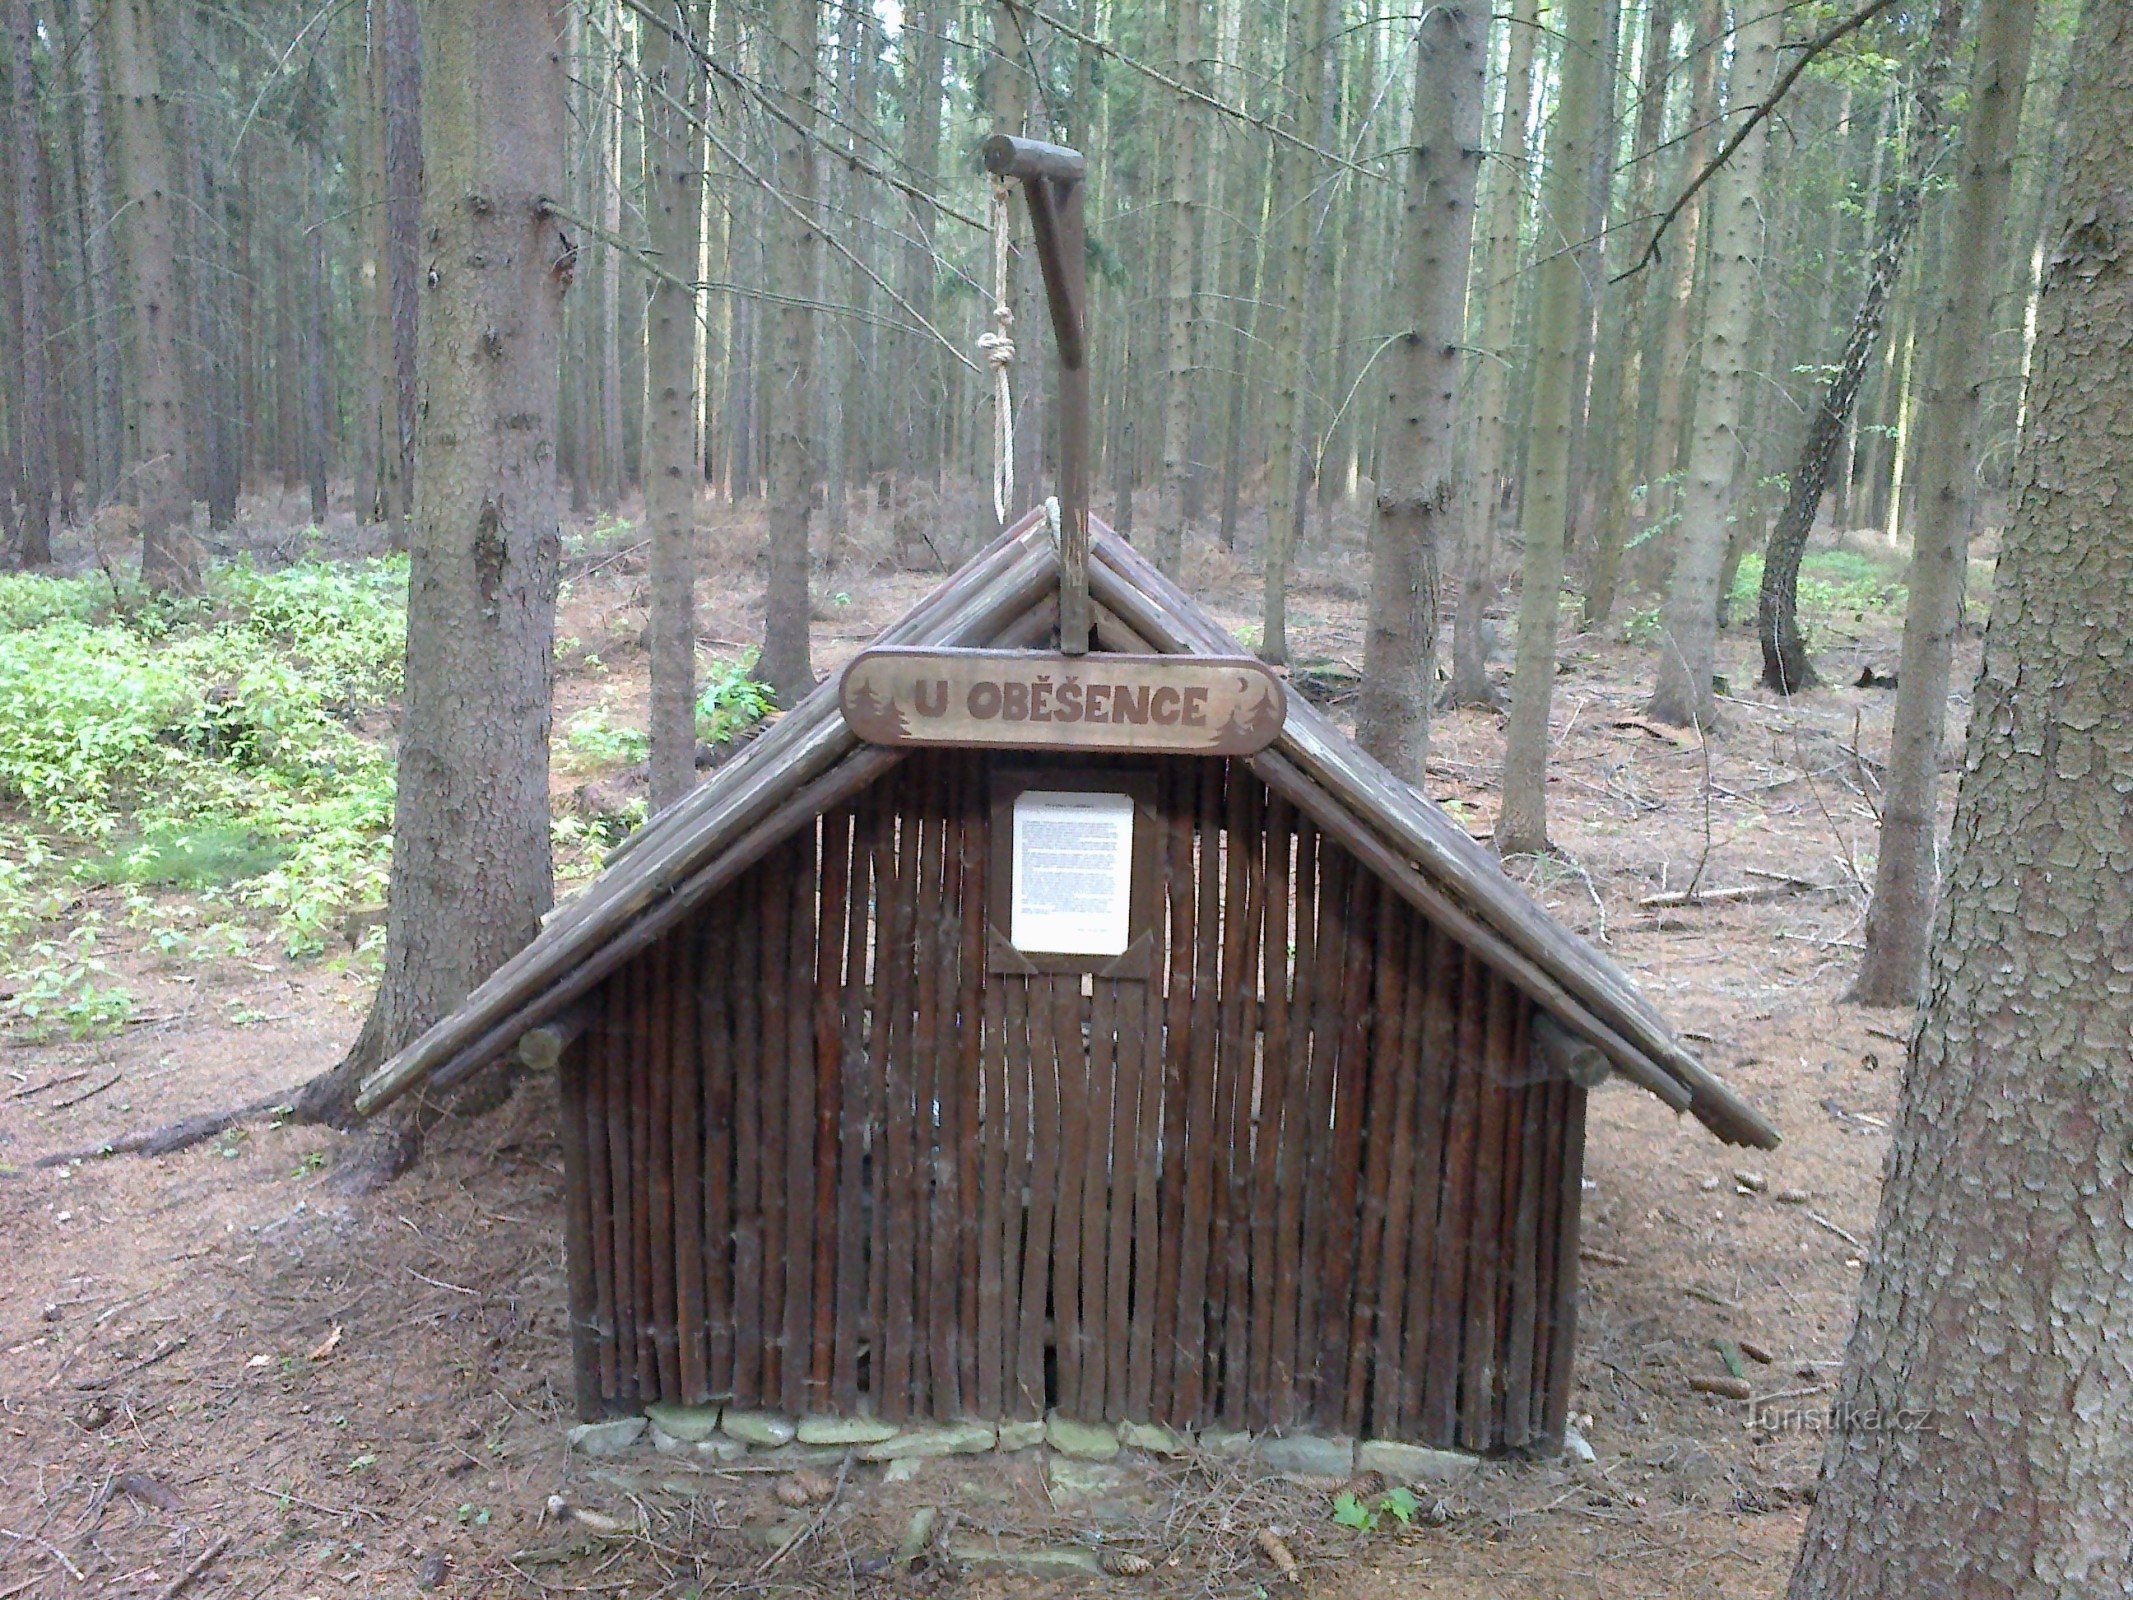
609	1438
688	1424
1021	1435
845	1430
1309	1454
1090	1441
765	1428
1154	1438
1412	1463
948	1439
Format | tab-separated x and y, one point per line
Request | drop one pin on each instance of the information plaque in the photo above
1073	872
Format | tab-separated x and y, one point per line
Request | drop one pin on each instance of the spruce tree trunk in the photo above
1893	968
1786	668
1418	482
1618	451
403	202
786	664
102	289
1289	275
170	557
1167	548
1665	453
1988	1377
1470	684
1522	823
1688	645
318	341
919	408
673	203
31	408
471	871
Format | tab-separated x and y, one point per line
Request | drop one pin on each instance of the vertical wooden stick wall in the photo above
1305	1173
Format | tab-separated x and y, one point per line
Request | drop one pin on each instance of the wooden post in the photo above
1052	183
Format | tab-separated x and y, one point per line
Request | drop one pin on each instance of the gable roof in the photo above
1005	596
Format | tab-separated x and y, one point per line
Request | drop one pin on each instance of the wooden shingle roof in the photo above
1007	596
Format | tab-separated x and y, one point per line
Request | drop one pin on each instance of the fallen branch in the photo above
88	1094
171	1137
1821	1221
162	1352
1741	893
201	1563
844	1469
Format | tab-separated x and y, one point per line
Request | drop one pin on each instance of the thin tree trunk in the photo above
170	557
102	288
923	58
1988	1379
318	341
1167	548
1689	643
1904	873
1665	455
403	203
471	873
1418	487
1470	684
607	335
1309	83
32	405
673	203
1522	823
1611	510
786	665
1786	668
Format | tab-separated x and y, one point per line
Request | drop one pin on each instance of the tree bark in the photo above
32	406
1310	56
1167	548
1664	453
923	57
471	871
1893	969
1619	449
318	339
102	288
1786	668
674	196
1689	642
1470	684
786	664
1419	484
170	557
1522	823
1985	1444
403	209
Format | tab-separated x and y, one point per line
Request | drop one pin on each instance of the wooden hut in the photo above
1298	1149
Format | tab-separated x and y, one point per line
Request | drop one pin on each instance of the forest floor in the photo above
215	1355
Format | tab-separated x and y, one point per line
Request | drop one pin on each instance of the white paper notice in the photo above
1073	880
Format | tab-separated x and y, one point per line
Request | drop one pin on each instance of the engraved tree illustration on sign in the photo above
872	715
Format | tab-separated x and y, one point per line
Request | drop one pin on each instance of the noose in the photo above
999	348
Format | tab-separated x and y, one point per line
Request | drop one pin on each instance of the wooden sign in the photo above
1040	700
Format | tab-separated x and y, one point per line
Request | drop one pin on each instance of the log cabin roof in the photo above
1007	595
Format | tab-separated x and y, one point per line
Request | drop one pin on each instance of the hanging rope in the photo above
999	349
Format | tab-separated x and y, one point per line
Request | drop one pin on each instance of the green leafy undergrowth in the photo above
1351	1510
209	744
1836	586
